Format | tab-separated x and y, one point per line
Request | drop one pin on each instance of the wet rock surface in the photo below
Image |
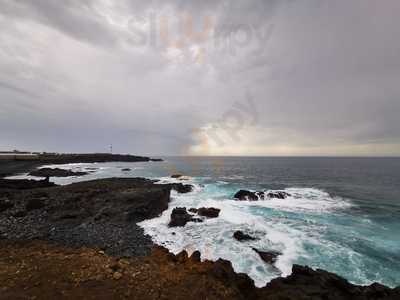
244	195
208	212
180	217
180	187
278	195
101	213
270	257
49	172
241	236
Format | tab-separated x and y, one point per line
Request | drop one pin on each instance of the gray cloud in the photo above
323	76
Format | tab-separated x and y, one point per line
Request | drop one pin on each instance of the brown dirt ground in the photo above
38	270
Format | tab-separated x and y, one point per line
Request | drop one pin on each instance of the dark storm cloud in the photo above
79	75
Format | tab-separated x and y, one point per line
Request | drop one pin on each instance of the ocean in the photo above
343	214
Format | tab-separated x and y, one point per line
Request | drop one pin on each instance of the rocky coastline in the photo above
82	241
25	164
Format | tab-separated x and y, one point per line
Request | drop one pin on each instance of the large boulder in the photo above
208	212
181	188
245	195
180	217
269	257
49	172
241	236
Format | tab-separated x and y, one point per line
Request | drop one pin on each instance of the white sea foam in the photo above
214	238
301	199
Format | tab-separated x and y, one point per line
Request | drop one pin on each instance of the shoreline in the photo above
14	164
101	216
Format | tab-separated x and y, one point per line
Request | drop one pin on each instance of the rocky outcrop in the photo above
306	283
180	187
278	195
241	236
49	172
100	213
49	158
270	257
24	184
244	195
208	212
180	217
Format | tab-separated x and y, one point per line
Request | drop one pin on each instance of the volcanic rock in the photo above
269	257
24	184
99	213
208	212
180	187
193	210
179	217
49	172
278	195
241	236
245	195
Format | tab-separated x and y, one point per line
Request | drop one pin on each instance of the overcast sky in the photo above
206	77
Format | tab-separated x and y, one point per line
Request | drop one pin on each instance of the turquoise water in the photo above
343	216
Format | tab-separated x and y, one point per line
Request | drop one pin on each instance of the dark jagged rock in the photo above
181	188
24	184
278	195
306	283
196	256
5	204
100	213
269	257
245	195
241	236
179	217
193	210
208	212
49	172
